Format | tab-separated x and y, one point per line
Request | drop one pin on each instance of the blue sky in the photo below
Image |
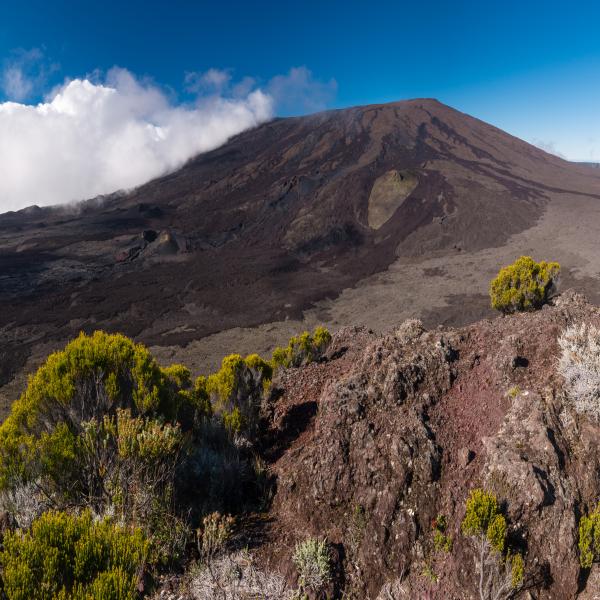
531	68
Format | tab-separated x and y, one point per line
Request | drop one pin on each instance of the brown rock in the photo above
371	465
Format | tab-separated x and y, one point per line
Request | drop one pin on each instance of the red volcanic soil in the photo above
402	427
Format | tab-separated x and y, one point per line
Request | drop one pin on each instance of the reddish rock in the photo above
402	427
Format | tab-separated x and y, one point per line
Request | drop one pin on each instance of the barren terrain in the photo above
277	231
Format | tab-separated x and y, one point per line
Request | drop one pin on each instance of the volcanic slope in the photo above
363	215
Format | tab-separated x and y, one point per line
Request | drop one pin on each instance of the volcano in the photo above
363	215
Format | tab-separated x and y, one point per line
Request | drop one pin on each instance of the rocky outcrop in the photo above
405	425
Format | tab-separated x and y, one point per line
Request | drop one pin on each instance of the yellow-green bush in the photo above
93	428
236	390
121	465
525	285
68	557
102	426
483	518
485	523
441	540
236	378
589	538
92	377
312	558
126	464
302	349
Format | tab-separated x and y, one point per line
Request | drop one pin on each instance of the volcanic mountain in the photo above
364	215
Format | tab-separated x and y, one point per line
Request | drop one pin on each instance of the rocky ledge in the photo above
376	441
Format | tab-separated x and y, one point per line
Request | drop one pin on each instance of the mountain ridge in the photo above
298	221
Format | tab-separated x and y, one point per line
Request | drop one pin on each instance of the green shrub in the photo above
429	573
484	519
234	421
356	530
127	464
313	561
236	390
517	570
302	349
91	431
514	391
441	541
501	570
525	285
92	377
589	538
66	557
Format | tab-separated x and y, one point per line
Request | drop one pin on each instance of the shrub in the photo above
499	572
589	538
484	519
514	391
91	431
313	561
429	573
441	541
129	468
237	389
72	558
24	502
357	525
214	534
525	285
92	377
579	364
302	349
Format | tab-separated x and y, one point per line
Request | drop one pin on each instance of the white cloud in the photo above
15	84
99	134
90	138
297	92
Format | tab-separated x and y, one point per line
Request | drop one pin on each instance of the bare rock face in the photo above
406	425
525	466
372	439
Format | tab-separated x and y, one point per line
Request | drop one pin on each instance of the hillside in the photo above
371	445
406	424
363	215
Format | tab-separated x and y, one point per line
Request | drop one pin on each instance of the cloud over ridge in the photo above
93	138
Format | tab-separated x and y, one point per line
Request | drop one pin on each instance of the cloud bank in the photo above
94	138
97	135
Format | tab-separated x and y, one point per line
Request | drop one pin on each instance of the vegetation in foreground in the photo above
109	462
115	470
523	286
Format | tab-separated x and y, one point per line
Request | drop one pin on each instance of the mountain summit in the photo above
296	220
